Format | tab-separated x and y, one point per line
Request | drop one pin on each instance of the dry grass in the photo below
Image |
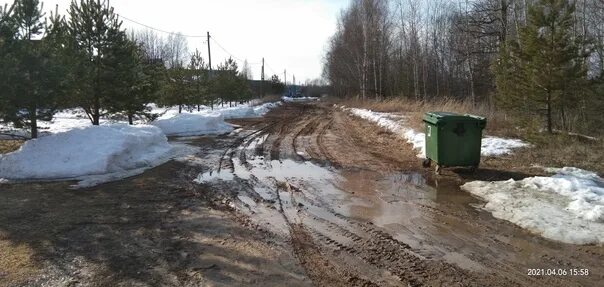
556	150
497	122
7	146
16	263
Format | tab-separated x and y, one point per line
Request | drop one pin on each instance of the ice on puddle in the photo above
491	146
567	206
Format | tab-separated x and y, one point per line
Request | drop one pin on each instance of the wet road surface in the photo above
304	196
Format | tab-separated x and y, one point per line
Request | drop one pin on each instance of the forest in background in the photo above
540	61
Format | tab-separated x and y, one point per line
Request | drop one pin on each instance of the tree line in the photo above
87	60
533	58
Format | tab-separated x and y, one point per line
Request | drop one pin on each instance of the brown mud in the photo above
307	195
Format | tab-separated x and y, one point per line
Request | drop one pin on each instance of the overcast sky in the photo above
289	34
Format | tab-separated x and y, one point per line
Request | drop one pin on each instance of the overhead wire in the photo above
160	30
194	36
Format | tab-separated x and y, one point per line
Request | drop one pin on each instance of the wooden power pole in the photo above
262	78
209	54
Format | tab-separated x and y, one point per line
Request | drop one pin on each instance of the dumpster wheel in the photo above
426	163
473	168
438	169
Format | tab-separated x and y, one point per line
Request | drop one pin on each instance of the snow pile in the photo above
67	120
298	99
238	112
70	119
567	207
186	124
491	146
94	150
261	110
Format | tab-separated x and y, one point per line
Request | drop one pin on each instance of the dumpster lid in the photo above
436	117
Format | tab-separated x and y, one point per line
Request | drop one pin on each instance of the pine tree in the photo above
95	30
8	32
277	87
229	84
546	68
199	81
33	71
132	89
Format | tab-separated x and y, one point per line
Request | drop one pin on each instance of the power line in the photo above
270	68
221	47
194	36
159	30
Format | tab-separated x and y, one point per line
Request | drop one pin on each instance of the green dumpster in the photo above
453	139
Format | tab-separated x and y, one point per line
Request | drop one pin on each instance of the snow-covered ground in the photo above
567	206
298	99
69	119
71	148
186	124
90	151
491	146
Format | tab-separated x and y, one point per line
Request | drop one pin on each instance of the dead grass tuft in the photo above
7	146
16	265
498	123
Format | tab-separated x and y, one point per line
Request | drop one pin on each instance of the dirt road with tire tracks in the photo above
307	195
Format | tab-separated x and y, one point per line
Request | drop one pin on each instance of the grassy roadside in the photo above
557	150
7	146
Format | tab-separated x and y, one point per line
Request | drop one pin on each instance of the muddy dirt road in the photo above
305	196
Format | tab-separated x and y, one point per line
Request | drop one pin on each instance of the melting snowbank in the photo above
94	150
298	99
567	207
392	123
206	121
70	119
186	124
491	146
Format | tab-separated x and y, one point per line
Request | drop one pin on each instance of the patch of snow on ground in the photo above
298	99
567	207
186	124
70	119
392	123
67	120
94	150
261	110
491	146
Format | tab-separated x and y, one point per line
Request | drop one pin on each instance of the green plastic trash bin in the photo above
453	139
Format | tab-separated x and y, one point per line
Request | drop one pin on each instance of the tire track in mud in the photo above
321	270
230	151
368	244
308	129
323	244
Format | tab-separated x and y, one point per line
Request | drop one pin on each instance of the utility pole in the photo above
210	70
294	80
285	77
209	54
262	78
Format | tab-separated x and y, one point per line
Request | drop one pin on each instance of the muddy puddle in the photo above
278	192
